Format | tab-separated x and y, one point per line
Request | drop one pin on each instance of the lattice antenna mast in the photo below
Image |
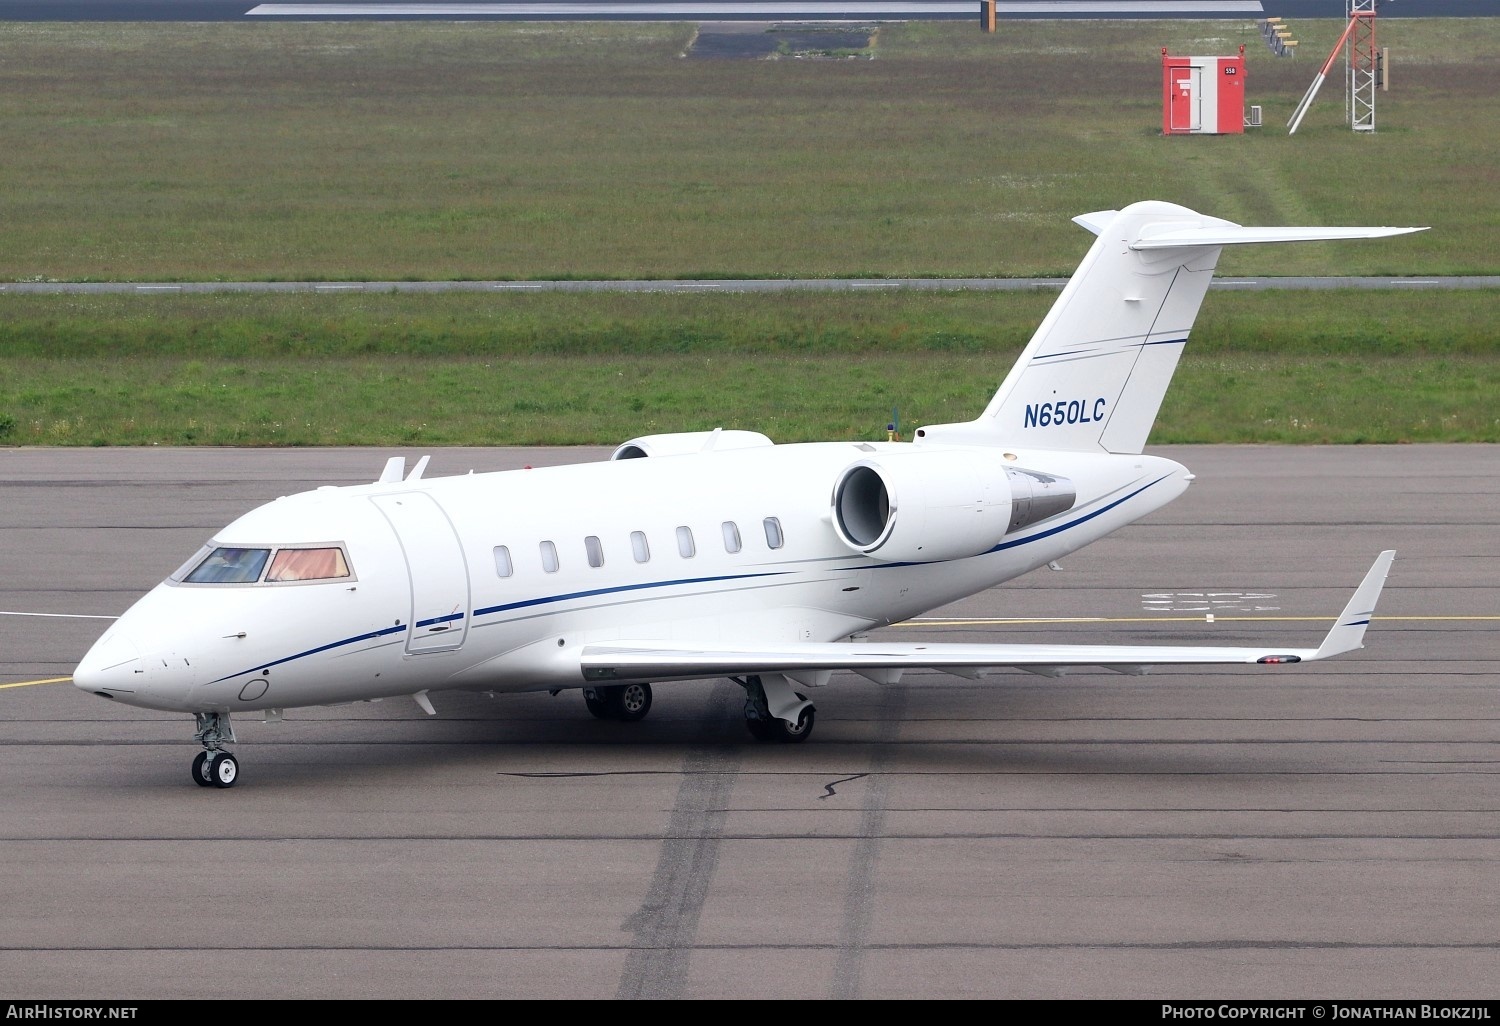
1363	67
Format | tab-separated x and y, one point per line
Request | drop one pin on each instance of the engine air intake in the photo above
931	505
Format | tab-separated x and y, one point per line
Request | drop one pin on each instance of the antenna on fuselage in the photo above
416	472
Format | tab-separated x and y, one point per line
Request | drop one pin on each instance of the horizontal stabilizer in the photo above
1227	234
1097	221
656	662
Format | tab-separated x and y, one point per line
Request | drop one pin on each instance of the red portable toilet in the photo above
1202	95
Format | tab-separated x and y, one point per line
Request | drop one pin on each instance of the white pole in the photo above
1312	90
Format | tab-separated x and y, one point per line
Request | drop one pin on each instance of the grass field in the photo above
483	150
158	152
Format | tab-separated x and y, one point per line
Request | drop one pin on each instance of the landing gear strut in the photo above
214	767
626	702
773	711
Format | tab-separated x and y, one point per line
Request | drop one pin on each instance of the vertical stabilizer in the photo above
1093	376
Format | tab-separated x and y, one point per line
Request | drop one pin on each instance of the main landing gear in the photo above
214	767
773	711
626	702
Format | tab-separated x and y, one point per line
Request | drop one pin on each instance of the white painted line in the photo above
330	288
70	616
696	284
1201	601
158	288
517	286
1412	281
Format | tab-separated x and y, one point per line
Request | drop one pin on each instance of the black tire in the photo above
624	702
223	769
200	774
760	729
798	732
632	702
597	703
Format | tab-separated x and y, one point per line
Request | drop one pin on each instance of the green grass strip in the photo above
570	368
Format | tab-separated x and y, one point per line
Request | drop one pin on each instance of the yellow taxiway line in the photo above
28	683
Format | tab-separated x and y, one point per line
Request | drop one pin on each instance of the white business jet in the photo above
767	566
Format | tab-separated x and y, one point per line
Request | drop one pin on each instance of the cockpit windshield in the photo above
231	565
307	565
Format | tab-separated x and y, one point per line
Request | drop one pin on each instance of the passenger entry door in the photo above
439	615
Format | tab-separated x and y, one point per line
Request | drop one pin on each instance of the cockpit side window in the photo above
307	565
229	566
181	572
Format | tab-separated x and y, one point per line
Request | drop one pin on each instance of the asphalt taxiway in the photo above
1316	831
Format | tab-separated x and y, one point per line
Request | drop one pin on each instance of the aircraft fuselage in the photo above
494	582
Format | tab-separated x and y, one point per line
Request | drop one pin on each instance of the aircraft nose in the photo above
112	668
116	667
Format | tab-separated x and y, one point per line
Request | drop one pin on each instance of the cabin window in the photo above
595	550
503	566
323	564
685	547
638	547
731	536
549	557
226	565
774	538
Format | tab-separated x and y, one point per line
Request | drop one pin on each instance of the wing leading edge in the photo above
884	662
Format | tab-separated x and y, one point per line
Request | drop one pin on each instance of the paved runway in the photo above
1321	831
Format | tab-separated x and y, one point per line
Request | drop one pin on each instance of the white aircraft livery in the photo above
767	566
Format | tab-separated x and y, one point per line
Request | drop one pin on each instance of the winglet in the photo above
1348	631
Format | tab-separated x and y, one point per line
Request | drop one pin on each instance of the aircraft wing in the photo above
884	662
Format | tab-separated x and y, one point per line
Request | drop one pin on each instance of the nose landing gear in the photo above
214	767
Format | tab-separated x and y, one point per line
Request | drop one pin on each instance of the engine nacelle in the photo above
927	506
683	442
